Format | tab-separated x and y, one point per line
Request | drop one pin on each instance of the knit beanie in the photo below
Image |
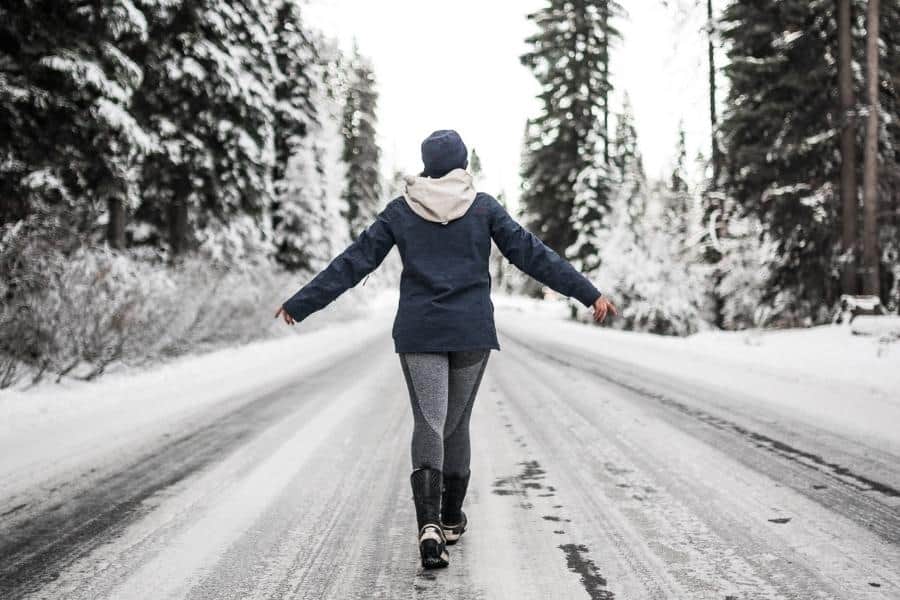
443	151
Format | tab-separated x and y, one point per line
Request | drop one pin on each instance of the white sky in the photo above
455	65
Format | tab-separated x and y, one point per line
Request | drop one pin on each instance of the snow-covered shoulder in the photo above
824	375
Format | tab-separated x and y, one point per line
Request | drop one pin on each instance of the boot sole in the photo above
432	547
433	555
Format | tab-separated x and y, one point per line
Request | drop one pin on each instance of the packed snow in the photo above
822	375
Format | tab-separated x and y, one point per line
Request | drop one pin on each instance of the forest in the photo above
800	197
170	168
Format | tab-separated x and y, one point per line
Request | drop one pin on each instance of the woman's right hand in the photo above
288	319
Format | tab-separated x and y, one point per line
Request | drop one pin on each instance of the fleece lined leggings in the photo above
442	388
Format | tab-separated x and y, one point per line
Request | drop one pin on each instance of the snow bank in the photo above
885	327
826	352
823	375
65	425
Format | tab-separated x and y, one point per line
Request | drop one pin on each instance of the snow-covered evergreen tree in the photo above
395	185
781	133
308	218
567	56
747	256
475	167
678	201
330	148
628	167
504	276
362	155
632	251
68	74
590	215
297	61
781	128
298	226
298	171
208	94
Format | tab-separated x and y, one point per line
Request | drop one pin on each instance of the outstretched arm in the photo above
359	259
531	255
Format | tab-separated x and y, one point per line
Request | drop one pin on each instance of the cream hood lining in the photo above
440	200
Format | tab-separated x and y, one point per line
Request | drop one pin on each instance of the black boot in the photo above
426	487
453	519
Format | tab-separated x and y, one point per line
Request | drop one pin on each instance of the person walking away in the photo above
444	327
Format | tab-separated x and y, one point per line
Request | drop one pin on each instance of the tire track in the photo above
36	546
863	499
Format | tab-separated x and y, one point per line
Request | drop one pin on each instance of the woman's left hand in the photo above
601	307
288	319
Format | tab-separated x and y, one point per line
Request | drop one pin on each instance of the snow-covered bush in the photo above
75	312
655	288
745	269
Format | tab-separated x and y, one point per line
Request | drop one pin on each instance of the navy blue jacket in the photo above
445	286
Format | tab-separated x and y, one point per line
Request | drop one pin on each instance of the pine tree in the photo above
627	166
396	185
589	216
780	129
644	266
208	96
298	216
677	209
67	135
361	152
475	167
330	146
499	266
296	58
567	56
298	170
309	227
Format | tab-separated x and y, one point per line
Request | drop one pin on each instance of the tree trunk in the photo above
849	199
713	119
871	283
178	222
115	226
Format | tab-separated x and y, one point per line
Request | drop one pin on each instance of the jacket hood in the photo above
442	199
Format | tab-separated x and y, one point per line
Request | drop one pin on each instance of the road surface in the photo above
592	478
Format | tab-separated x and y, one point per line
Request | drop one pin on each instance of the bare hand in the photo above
601	307
285	315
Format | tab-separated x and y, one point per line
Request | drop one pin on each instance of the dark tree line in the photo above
806	147
169	124
162	162
794	138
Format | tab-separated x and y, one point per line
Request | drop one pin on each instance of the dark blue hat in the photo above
443	151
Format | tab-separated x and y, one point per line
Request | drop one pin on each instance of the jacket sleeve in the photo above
531	255
359	259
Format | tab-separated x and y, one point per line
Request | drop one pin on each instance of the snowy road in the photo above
593	477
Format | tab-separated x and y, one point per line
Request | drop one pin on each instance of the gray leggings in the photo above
442	388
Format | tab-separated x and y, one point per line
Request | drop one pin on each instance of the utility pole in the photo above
871	279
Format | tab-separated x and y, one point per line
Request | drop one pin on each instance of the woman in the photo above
444	327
